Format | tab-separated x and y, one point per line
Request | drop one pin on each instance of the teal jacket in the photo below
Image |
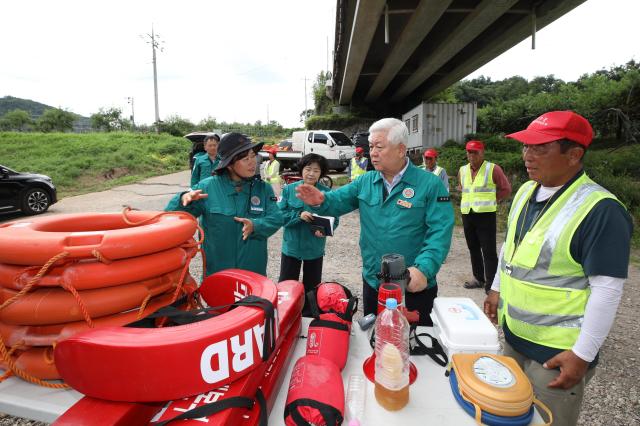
416	220
202	168
298	240
223	244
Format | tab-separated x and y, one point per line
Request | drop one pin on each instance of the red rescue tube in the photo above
36	241
46	335
133	363
55	305
90	273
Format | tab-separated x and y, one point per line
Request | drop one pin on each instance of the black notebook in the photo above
323	224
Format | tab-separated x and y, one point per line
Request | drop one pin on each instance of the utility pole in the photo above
154	40
133	120
327	54
305	97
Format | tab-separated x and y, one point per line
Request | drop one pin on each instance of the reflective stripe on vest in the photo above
437	171
356	170
479	193
544	290
271	173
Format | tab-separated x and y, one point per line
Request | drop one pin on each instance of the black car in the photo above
32	193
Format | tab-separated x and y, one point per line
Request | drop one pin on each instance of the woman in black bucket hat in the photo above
238	210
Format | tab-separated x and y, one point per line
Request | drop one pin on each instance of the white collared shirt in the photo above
396	178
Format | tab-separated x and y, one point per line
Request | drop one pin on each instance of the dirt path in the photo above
612	397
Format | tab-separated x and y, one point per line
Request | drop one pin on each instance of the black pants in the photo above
421	301
480	233
311	275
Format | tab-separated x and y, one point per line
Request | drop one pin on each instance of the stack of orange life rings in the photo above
63	274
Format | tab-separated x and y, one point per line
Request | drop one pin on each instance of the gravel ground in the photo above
613	395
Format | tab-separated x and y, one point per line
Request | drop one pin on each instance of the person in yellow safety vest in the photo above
483	185
562	266
272	173
357	165
431	165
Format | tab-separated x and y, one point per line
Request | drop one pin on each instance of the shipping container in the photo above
432	124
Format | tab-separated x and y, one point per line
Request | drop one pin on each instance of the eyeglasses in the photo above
540	149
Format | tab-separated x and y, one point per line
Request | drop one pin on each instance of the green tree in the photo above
55	120
448	95
109	120
176	126
18	120
208	123
321	101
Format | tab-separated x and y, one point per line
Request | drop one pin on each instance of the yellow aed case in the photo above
495	384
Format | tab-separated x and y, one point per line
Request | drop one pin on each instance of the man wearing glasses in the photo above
483	184
562	266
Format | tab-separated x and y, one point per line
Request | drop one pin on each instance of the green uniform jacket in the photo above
202	168
223	244
298	240
415	220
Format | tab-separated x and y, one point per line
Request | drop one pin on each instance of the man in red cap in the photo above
431	165
562	265
357	165
483	185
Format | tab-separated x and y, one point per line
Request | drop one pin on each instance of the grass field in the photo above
82	163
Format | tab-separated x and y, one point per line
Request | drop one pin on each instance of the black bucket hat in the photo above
232	144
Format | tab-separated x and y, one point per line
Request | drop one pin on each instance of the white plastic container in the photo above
461	327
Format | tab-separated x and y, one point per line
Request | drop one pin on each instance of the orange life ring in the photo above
202	355
46	335
55	305
36	241
88	274
38	362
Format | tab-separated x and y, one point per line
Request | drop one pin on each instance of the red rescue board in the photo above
162	364
290	302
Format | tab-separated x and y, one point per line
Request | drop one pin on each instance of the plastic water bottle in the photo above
392	358
356	394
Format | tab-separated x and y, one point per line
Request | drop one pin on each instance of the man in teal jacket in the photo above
403	210
238	211
205	163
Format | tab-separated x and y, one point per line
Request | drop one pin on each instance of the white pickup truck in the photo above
333	145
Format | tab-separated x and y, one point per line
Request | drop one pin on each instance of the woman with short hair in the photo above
301	244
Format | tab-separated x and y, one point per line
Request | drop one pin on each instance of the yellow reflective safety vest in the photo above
479	193
543	290
437	170
272	172
356	170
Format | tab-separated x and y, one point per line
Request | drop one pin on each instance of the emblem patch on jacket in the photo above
408	193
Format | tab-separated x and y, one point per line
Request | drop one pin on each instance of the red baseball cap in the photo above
556	125
431	153
359	150
475	146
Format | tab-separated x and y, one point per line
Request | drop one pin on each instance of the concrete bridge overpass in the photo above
390	55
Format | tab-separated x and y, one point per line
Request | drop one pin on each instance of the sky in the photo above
241	60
